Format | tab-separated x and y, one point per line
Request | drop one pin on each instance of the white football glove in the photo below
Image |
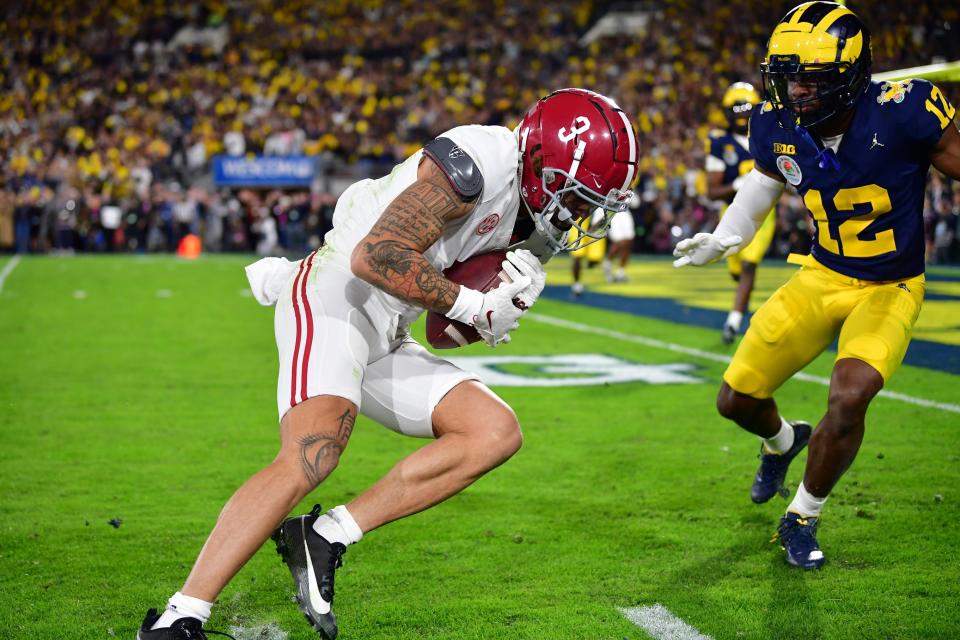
705	248
492	314
738	183
522	263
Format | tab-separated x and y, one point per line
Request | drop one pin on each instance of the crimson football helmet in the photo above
578	153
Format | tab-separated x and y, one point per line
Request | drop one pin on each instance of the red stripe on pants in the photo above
296	344
309	343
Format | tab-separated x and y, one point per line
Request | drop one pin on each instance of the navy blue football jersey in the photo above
737	160
869	212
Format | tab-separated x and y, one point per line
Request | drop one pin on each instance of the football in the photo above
481	272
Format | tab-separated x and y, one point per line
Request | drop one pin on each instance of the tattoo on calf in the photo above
319	452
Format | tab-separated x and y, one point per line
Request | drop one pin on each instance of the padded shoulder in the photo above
461	170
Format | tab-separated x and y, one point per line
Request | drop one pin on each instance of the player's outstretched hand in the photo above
498	314
521	263
704	248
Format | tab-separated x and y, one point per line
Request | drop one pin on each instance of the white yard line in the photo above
719	357
7	268
661	624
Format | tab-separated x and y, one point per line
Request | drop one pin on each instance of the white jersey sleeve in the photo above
487	227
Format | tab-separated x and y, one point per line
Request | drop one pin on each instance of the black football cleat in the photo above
798	537
773	467
182	629
312	562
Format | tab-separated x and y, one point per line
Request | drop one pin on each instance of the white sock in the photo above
181	606
805	503
782	441
607	266
621	273
337	525
577	287
733	319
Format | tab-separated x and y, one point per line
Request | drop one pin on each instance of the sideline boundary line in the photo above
7	269
718	357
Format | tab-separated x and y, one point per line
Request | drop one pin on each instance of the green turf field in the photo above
142	390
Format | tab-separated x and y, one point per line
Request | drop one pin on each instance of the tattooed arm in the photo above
390	257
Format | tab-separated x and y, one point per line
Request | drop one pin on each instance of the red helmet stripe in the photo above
633	150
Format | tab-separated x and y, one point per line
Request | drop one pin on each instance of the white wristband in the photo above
466	306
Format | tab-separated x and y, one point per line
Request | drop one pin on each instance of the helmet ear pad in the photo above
536	161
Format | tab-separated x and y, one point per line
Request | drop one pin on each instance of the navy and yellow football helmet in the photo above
738	102
817	64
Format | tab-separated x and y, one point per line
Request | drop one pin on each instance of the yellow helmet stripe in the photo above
831	17
853	48
798	12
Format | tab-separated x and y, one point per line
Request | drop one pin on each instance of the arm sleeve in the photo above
750	206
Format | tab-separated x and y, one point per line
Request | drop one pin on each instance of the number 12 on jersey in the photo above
850	243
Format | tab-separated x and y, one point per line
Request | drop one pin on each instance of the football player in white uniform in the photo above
342	318
623	230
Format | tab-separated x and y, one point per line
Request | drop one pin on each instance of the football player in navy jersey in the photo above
857	152
727	164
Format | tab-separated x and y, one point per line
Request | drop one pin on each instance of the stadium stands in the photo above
127	104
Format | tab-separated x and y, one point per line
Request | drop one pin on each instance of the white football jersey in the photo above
487	228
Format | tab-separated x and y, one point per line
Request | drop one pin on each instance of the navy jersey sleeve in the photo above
716	147
761	146
922	109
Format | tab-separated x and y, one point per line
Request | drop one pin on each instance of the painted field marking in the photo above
719	357
7	268
661	624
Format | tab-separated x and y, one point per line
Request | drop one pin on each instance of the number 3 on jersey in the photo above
850	243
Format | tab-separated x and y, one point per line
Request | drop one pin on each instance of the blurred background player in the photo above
858	153
620	240
591	251
728	161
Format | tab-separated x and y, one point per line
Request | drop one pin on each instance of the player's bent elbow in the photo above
360	263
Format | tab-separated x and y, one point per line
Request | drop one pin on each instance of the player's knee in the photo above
852	386
502	437
730	404
849	401
307	468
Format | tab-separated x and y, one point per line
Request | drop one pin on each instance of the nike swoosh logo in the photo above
490	319
316	600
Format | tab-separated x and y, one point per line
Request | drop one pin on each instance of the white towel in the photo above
267	278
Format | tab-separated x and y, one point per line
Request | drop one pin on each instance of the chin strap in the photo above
826	158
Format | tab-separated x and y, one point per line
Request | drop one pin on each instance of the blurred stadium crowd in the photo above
110	113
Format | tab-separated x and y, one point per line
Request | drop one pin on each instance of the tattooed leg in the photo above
313	435
320	452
